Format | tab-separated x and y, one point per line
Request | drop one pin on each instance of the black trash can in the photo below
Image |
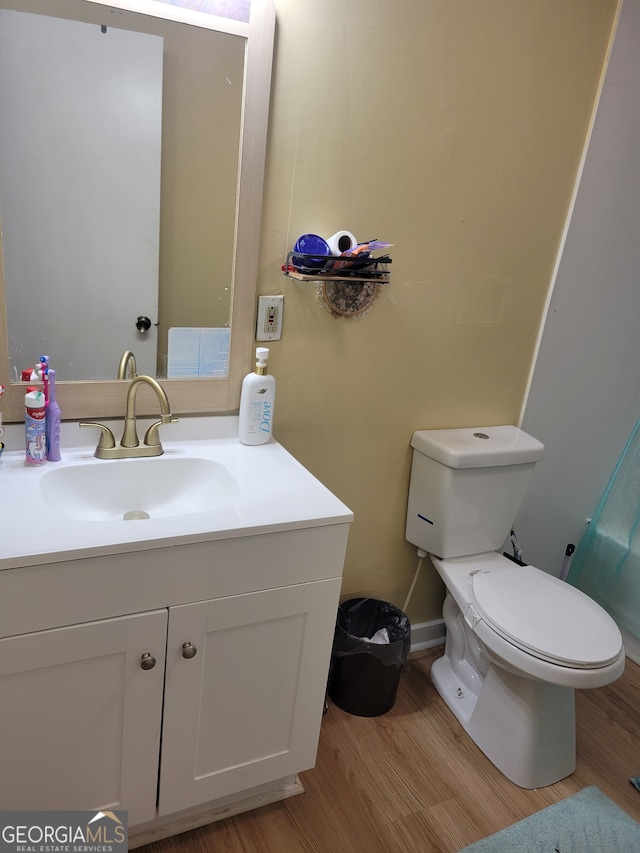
364	675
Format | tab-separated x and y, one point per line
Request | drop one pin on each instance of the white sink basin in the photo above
207	486
137	489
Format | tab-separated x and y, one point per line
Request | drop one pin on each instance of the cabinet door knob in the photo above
188	651
147	661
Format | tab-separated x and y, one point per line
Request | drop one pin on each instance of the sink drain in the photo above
135	515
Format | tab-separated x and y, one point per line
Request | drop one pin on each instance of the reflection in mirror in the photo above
187	215
79	191
92	226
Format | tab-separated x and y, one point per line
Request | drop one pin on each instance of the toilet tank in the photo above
467	486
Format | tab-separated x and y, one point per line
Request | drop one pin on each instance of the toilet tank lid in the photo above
478	447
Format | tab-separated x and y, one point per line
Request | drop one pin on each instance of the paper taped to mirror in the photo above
198	353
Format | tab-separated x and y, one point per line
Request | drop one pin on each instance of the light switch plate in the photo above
269	322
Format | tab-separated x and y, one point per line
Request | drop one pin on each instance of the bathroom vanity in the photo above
161	654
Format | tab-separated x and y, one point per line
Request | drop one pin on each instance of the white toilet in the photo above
519	641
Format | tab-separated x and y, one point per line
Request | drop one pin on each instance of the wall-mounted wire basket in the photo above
337	268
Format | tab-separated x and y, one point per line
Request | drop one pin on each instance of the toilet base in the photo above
525	728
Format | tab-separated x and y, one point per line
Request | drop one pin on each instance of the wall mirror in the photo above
208	239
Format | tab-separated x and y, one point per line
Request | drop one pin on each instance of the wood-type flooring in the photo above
412	781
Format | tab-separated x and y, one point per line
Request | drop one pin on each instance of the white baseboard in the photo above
425	635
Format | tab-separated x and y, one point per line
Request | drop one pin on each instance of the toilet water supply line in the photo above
421	555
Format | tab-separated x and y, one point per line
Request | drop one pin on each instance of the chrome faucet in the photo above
129	446
128	360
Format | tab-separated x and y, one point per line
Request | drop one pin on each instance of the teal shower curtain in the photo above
606	564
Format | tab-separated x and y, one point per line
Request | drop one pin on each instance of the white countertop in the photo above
274	493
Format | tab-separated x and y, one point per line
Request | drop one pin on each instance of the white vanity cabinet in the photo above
174	666
94	717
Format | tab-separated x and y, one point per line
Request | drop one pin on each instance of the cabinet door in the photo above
246	708
80	719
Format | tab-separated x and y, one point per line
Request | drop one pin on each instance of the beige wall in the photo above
453	130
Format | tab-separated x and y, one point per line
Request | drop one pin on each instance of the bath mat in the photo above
588	822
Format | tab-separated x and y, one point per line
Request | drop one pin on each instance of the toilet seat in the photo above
543	616
551	662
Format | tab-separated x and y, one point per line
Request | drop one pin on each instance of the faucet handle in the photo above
106	439
152	436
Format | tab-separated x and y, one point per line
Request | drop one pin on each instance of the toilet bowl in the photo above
519	641
518	644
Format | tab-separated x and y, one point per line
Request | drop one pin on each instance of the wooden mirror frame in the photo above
106	399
